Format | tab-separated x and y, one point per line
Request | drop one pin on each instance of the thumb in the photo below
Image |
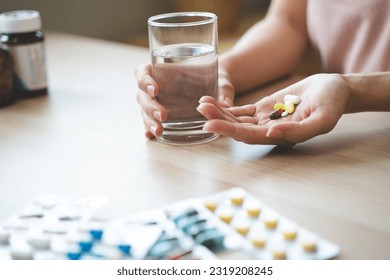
225	91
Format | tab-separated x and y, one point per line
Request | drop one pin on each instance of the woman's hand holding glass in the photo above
153	113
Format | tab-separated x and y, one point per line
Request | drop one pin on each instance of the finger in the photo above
146	83
247	133
223	111
225	90
245	110
245	113
211	111
297	132
152	127
151	107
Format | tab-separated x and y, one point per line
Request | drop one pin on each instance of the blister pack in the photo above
228	225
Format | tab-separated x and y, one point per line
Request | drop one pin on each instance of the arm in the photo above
325	98
270	49
368	92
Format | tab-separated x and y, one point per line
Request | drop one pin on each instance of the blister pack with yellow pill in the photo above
245	228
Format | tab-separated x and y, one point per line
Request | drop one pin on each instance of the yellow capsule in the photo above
289	230
237	197
279	254
253	209
289	106
309	243
290	235
226	218
271	222
225	214
253	212
279	106
243	230
258	242
211	205
309	246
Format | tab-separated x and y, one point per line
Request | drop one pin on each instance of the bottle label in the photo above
29	66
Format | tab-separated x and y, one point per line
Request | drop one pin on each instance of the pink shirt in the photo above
351	35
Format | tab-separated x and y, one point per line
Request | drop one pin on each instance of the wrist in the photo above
368	92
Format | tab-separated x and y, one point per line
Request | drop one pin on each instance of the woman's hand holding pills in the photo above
323	100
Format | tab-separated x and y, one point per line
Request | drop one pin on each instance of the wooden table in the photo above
86	138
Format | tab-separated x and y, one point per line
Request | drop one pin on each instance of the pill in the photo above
309	246
279	254
225	214
47	201
74	255
309	243
38	240
258	242
195	227
290	235
289	106
125	248
96	234
212	238
253	209
94	229
4	236
293	98
162	247
20	249
271	221
184	215
85	246
284	114
226	218
241	225
276	114
186	222
279	106
237	197
211	204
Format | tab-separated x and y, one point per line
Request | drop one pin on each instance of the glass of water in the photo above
185	66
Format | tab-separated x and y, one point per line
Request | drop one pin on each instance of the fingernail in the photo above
153	129
200	108
275	133
201	100
157	115
150	89
228	101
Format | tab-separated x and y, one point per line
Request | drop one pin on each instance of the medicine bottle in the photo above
6	86
21	35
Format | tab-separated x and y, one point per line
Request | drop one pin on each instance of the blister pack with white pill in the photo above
56	226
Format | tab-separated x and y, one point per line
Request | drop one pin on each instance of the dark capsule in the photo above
276	114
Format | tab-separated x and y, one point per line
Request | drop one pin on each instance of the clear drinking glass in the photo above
185	66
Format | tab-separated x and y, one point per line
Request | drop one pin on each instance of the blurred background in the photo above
125	20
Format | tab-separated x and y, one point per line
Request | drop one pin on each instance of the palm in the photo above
323	102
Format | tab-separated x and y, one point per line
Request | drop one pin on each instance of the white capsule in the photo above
4	236
293	98
38	240
20	249
284	114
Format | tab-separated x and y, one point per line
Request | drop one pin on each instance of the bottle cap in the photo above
21	21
